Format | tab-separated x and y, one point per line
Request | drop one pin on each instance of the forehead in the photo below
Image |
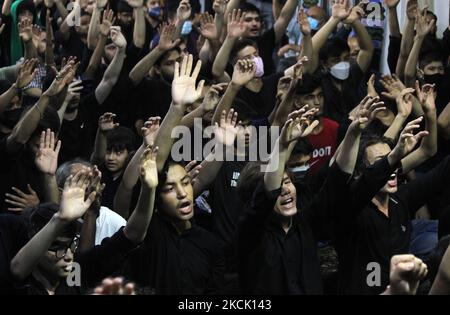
61	240
434	64
251	15
176	173
377	151
246	51
173	55
316	13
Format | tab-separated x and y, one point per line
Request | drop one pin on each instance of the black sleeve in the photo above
102	260
419	191
252	223
343	33
393	52
363	189
332	195
216	280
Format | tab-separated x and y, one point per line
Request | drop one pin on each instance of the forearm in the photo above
137	224
283	20
405	48
88	230
232	4
348	152
365	42
62	111
322	35
164	138
6	9
277	162
276	9
28	257
29	50
225	102
142	68
61	9
308	51
210	168
94	29
411	63
441	285
110	77
51	191
27	125
222	57
96	57
395	128
6	97
98	156
444	122
394	26
188	119
220	24
49	55
139	28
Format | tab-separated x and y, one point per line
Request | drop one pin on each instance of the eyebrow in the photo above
173	183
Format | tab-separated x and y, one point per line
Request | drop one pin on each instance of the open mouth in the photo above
392	182
288	203
185	207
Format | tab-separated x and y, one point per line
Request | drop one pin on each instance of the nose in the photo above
69	255
181	193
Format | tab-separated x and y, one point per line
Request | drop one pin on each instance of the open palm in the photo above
73	201
149	170
183	85
227	130
46	159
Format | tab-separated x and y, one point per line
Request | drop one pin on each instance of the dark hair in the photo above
26	5
333	47
303	146
41	214
245	111
436	257
249	7
239	45
368	140
123	6
431	56
432	14
308	84
249	178
50	120
120	138
65	169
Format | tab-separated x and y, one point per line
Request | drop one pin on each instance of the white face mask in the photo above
341	71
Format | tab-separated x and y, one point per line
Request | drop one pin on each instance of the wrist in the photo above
394	157
60	220
235	86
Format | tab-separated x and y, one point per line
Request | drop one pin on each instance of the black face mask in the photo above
436	79
11	117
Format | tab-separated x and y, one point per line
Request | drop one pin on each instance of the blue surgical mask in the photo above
314	23
187	28
155	12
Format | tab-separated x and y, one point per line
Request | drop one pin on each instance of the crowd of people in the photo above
128	132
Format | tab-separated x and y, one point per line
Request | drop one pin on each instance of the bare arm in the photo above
365	42
94	28
49	55
6	8
441	284
444	122
105	124
139	22
283	20
394	26
407	38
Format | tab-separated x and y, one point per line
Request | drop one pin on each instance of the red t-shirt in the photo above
324	144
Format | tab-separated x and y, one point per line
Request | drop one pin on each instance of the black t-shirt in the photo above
153	98
13	236
73	46
111	186
17	170
263	101
266	47
339	104
78	135
226	208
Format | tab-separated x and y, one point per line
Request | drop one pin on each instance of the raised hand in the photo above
107	21
73	200
427	96
148	168
244	72
220	6
117	37
393	85
193	170
303	22
74	90
340	10
236	27
226	132
22	200
298	124
25	28
106	122
208	28
412	7
167	39
101	3
423	28
405	102
150	130
366	112
46	159
184	10
183	85
408	141
356	14
63	78
406	272
26	74
114	286
371	87
36	30
212	98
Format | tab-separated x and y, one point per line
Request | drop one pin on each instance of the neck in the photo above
381	200
337	83
286	223
116	174
181	226
50	282
254	85
71	116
